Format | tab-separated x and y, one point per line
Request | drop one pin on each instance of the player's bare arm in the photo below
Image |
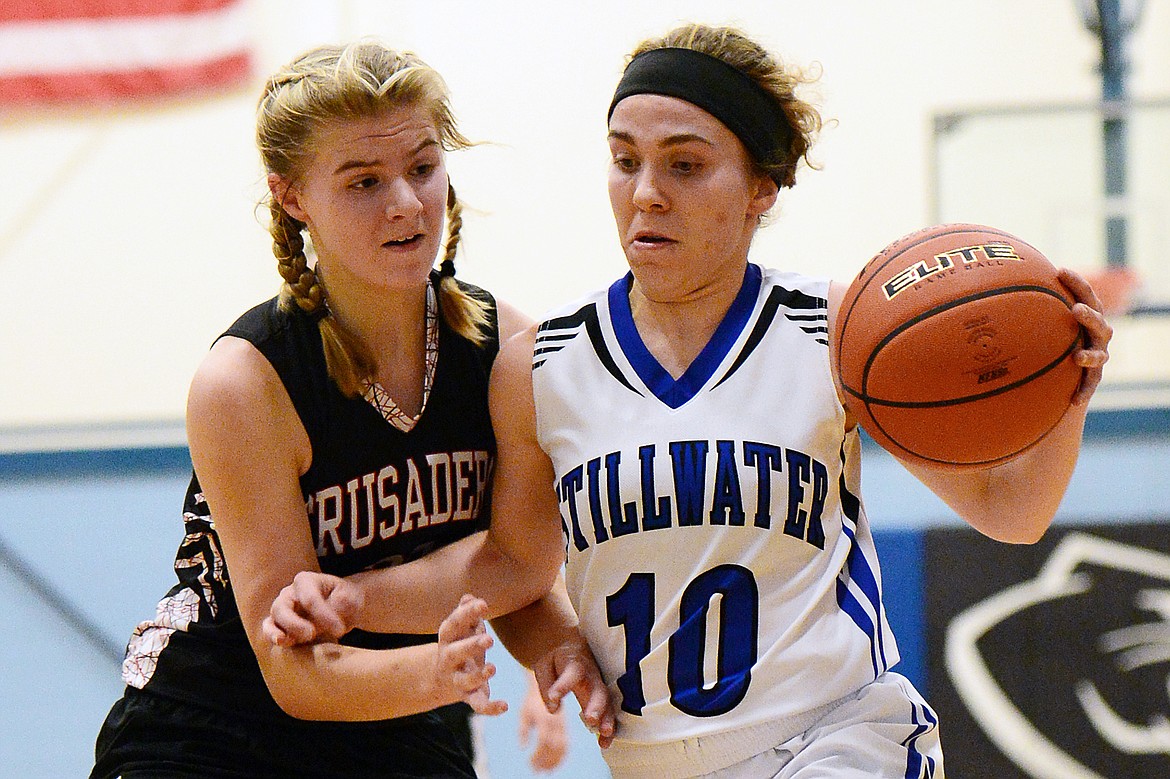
544	636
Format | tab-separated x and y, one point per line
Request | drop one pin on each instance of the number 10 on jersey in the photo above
633	608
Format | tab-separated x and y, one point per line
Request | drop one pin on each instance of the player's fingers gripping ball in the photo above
954	346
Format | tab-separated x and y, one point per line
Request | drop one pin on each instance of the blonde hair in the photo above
778	79
321	86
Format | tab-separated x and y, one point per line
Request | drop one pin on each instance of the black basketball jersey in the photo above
374	496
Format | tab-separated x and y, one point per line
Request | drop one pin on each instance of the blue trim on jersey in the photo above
791	299
860	572
918	765
674	393
851	606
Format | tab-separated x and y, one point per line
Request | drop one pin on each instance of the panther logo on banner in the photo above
1062	664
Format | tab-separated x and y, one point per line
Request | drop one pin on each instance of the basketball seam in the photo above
872	401
862	394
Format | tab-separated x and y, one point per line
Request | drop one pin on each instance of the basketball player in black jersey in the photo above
339	427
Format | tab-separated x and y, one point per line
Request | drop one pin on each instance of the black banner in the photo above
1052	661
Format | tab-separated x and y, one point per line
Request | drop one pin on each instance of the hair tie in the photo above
320	313
447	268
722	90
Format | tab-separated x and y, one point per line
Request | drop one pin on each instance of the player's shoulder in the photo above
813	287
512	321
516	350
237	402
572	310
232	375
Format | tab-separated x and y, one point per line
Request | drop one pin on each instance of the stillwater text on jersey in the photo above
590	494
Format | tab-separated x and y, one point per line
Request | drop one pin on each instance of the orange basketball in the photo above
954	346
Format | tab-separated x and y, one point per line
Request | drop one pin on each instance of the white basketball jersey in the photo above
717	551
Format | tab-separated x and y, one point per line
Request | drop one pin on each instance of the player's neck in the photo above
676	331
391	324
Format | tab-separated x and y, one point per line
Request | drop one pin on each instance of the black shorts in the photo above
147	735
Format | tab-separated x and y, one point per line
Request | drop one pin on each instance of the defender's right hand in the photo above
317	607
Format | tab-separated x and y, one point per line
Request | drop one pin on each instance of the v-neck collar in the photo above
380	399
675	392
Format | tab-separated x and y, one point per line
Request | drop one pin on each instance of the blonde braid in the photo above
346	358
288	246
466	315
454	224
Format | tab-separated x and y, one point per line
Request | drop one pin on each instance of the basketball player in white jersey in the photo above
706	474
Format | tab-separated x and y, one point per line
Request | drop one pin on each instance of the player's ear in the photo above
765	194
287	195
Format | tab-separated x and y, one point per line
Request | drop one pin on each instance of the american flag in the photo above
55	52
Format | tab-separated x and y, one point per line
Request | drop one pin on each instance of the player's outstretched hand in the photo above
1098	332
571	667
545	728
315	608
462	663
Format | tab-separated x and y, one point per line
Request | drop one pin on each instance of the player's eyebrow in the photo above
370	163
671	140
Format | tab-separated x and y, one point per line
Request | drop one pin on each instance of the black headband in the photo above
720	89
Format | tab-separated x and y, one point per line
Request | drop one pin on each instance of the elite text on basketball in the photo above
955	258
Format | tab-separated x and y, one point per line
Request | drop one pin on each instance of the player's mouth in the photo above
651	240
404	243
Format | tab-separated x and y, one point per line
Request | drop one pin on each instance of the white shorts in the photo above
885	731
